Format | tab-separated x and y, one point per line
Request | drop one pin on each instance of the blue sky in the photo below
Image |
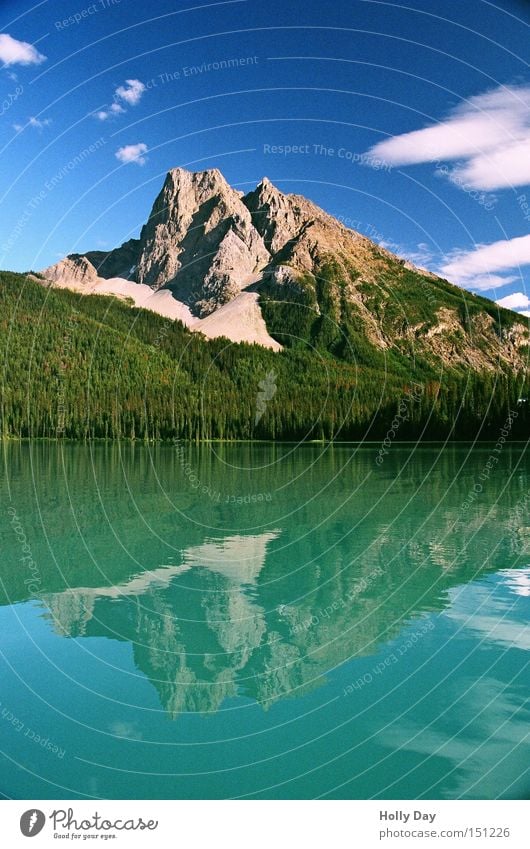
410	121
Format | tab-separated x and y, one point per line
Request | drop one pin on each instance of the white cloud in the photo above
482	283
36	123
525	313
509	165
517	301
421	255
132	153
490	133
499	256
114	109
454	139
389	245
13	52
131	92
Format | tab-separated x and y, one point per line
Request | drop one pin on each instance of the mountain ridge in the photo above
294	276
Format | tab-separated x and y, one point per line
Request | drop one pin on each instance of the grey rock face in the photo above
120	262
206	241
200	241
279	218
75	269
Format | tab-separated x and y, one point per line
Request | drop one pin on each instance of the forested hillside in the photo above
77	366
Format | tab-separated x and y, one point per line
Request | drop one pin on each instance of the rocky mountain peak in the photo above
270	266
74	271
202	183
285	220
274	215
199	240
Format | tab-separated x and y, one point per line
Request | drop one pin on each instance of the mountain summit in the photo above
275	269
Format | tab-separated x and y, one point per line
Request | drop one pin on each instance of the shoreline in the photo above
6	440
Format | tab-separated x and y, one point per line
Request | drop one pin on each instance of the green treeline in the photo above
82	367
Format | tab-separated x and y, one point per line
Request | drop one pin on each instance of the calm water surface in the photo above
264	621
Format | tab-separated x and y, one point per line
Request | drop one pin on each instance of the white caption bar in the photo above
260	824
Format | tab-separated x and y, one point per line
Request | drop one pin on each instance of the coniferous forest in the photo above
93	367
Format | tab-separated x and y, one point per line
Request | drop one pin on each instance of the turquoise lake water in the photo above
264	621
